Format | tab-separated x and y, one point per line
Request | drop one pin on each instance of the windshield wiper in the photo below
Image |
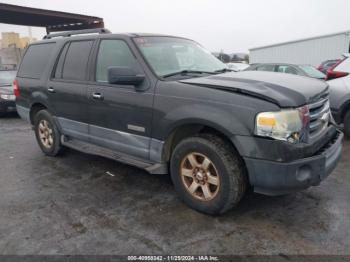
224	70
185	72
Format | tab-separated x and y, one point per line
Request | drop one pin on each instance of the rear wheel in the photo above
47	134
208	174
347	124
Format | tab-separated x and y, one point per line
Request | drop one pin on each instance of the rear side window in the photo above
76	59
270	68
329	64
36	60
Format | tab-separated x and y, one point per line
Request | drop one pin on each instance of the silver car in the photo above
302	70
339	85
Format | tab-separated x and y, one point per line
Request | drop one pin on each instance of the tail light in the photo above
335	74
16	91
331	74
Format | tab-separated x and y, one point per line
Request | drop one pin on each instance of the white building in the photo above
311	51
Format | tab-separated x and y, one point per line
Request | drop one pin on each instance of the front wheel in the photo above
47	134
208	174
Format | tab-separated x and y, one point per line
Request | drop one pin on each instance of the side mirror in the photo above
124	76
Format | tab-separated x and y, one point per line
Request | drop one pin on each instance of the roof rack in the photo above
78	32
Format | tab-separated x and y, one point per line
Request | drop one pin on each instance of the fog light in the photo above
303	173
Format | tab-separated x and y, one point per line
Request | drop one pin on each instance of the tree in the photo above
235	58
224	57
246	58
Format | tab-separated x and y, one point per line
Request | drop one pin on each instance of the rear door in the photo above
68	87
120	117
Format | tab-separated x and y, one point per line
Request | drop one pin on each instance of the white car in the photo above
339	83
237	66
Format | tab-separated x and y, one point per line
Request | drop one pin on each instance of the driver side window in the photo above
287	69
113	53
266	67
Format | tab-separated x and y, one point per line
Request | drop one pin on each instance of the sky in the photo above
228	25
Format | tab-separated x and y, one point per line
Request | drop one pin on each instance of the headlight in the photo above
289	125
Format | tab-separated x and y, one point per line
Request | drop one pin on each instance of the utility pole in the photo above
30	34
221	55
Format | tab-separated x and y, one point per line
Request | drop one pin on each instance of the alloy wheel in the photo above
46	134
199	176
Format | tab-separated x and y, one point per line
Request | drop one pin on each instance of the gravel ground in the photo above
82	204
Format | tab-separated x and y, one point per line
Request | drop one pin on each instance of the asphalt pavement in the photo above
83	204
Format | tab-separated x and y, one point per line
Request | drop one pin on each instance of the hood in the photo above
285	90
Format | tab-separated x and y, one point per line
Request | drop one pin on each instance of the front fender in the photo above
230	113
215	117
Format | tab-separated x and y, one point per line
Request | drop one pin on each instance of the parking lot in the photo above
82	204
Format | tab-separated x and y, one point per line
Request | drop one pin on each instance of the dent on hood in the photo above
283	90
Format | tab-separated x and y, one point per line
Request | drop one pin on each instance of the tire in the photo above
347	124
226	166
53	146
3	113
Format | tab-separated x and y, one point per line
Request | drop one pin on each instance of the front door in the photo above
120	117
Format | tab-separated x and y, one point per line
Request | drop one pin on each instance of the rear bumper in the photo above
277	178
7	106
23	113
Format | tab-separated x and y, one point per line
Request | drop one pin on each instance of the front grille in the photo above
329	143
319	116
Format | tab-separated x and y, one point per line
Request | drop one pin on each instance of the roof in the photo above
53	20
94	33
301	40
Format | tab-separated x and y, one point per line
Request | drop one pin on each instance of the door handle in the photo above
51	90
97	96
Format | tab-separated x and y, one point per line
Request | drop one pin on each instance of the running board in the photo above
91	149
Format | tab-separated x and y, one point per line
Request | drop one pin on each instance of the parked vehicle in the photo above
339	83
324	66
165	104
7	97
8	67
302	70
237	66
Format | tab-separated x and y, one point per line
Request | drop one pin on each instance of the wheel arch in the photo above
190	128
344	110
34	109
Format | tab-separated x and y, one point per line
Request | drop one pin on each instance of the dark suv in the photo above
166	105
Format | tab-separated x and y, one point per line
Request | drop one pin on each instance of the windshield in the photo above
7	77
312	72
168	55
